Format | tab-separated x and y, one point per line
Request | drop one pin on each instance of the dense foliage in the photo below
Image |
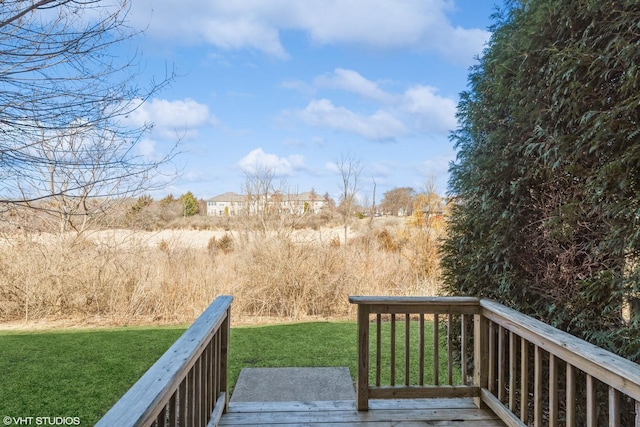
547	179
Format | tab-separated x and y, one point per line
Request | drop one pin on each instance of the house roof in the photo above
228	197
233	197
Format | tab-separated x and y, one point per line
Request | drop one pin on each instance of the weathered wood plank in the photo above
506	415
427	305
218	411
388	412
342	405
424	392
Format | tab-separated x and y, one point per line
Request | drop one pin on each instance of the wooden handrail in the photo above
188	384
540	342
509	349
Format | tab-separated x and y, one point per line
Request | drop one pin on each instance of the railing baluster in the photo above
407	348
463	348
421	350
450	349
480	356
501	364
553	391
524	380
362	388
436	348
537	387
161	421
213	372
614	407
204	406
637	413
172	410
492	358
191	416
571	396
378	347
393	349
182	402
592	405
512	372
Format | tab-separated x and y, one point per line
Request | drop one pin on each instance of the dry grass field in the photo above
121	276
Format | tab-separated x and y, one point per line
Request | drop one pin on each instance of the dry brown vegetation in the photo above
120	277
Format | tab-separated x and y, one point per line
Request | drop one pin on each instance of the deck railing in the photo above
489	358
187	386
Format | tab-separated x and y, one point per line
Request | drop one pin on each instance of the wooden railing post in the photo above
480	355
362	386
225	334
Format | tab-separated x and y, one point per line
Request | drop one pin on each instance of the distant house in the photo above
227	204
235	204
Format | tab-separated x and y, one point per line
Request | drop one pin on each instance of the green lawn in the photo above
82	373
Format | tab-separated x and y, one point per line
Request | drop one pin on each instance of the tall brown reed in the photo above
278	275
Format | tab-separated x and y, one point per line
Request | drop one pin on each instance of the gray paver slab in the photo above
293	384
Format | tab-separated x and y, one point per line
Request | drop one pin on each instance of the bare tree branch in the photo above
64	102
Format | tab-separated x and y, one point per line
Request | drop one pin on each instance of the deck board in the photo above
406	412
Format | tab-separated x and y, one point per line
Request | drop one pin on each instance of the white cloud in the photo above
281	166
171	119
379	126
352	81
257	24
433	113
436	166
417	110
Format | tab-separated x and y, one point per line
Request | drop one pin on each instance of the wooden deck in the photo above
387	412
510	369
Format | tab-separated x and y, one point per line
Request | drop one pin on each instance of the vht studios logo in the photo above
41	421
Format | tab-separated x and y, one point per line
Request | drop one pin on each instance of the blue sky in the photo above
293	85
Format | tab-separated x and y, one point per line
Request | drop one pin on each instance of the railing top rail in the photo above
156	385
425	305
608	367
375	300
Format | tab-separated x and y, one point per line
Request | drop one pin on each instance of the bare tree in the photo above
65	146
259	185
349	168
398	201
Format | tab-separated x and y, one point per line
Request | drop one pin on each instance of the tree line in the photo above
547	177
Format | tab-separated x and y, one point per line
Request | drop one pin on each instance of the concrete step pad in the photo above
293	384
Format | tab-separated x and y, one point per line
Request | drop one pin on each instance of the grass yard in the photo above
78	373
83	373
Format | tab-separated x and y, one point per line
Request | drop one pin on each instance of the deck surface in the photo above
405	412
